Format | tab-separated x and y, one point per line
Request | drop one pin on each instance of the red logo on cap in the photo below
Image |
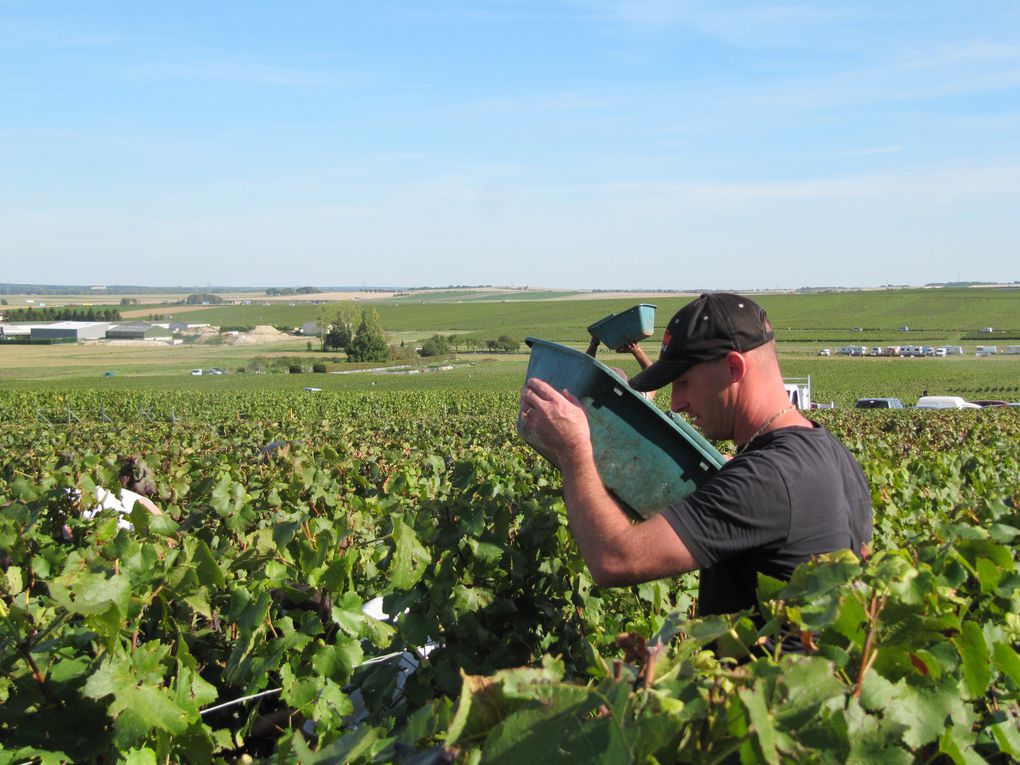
666	337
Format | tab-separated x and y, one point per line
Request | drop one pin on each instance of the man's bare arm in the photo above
616	551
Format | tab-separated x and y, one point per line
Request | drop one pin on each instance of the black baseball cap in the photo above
704	330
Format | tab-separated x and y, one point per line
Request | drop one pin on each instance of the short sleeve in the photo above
745	506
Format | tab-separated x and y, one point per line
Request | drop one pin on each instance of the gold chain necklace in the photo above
765	426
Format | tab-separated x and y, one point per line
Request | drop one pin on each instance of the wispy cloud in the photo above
250	72
539	103
871	150
981	52
735	23
20	34
935	183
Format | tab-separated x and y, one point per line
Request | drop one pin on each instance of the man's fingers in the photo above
572	398
540	389
543	392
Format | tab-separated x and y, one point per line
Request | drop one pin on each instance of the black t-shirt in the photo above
795	493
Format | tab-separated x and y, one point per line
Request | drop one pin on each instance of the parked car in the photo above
944	402
879	403
825	352
196	371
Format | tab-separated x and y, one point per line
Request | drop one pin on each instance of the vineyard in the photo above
232	628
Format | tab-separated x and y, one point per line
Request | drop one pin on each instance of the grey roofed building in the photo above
311	329
71	330
136	330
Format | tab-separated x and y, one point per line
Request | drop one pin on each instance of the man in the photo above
793	490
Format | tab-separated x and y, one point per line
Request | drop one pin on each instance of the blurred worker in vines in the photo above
791	492
137	484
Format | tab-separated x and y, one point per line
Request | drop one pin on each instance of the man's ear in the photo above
737	366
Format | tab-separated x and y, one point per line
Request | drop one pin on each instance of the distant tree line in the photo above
8	288
358	333
284	291
75	313
439	345
202	298
503	343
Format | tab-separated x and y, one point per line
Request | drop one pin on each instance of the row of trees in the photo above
202	298
357	332
75	313
284	291
438	345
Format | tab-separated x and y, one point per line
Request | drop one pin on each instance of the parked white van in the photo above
944	402
986	350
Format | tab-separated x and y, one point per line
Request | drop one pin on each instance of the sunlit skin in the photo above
731	397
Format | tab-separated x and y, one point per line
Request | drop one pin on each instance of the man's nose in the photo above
677	402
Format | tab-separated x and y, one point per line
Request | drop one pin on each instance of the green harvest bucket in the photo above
618	329
646	458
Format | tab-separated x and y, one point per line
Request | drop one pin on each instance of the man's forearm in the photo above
617	551
598	524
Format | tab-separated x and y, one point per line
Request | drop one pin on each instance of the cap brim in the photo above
658	375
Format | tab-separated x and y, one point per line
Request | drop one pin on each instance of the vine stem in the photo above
869	652
726	752
25	649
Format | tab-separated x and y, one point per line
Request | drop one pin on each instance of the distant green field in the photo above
804	324
273	314
839	380
866	318
474	296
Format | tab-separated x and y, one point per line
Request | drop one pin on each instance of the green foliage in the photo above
338	323
369	343
118	645
69	313
284	291
503	344
202	298
437	345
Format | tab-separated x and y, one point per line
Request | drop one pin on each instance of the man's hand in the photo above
555	420
634	348
616	551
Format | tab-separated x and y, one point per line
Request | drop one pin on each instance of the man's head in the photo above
705	330
136	476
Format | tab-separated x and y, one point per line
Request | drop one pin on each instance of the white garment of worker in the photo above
110	501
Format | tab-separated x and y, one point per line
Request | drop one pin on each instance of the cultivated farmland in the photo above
126	645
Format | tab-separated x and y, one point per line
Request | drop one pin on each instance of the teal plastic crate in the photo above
618	329
646	458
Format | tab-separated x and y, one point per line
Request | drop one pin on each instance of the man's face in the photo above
701	393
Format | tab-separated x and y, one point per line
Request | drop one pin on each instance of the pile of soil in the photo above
263	333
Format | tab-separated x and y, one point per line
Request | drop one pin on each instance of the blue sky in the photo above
573	143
